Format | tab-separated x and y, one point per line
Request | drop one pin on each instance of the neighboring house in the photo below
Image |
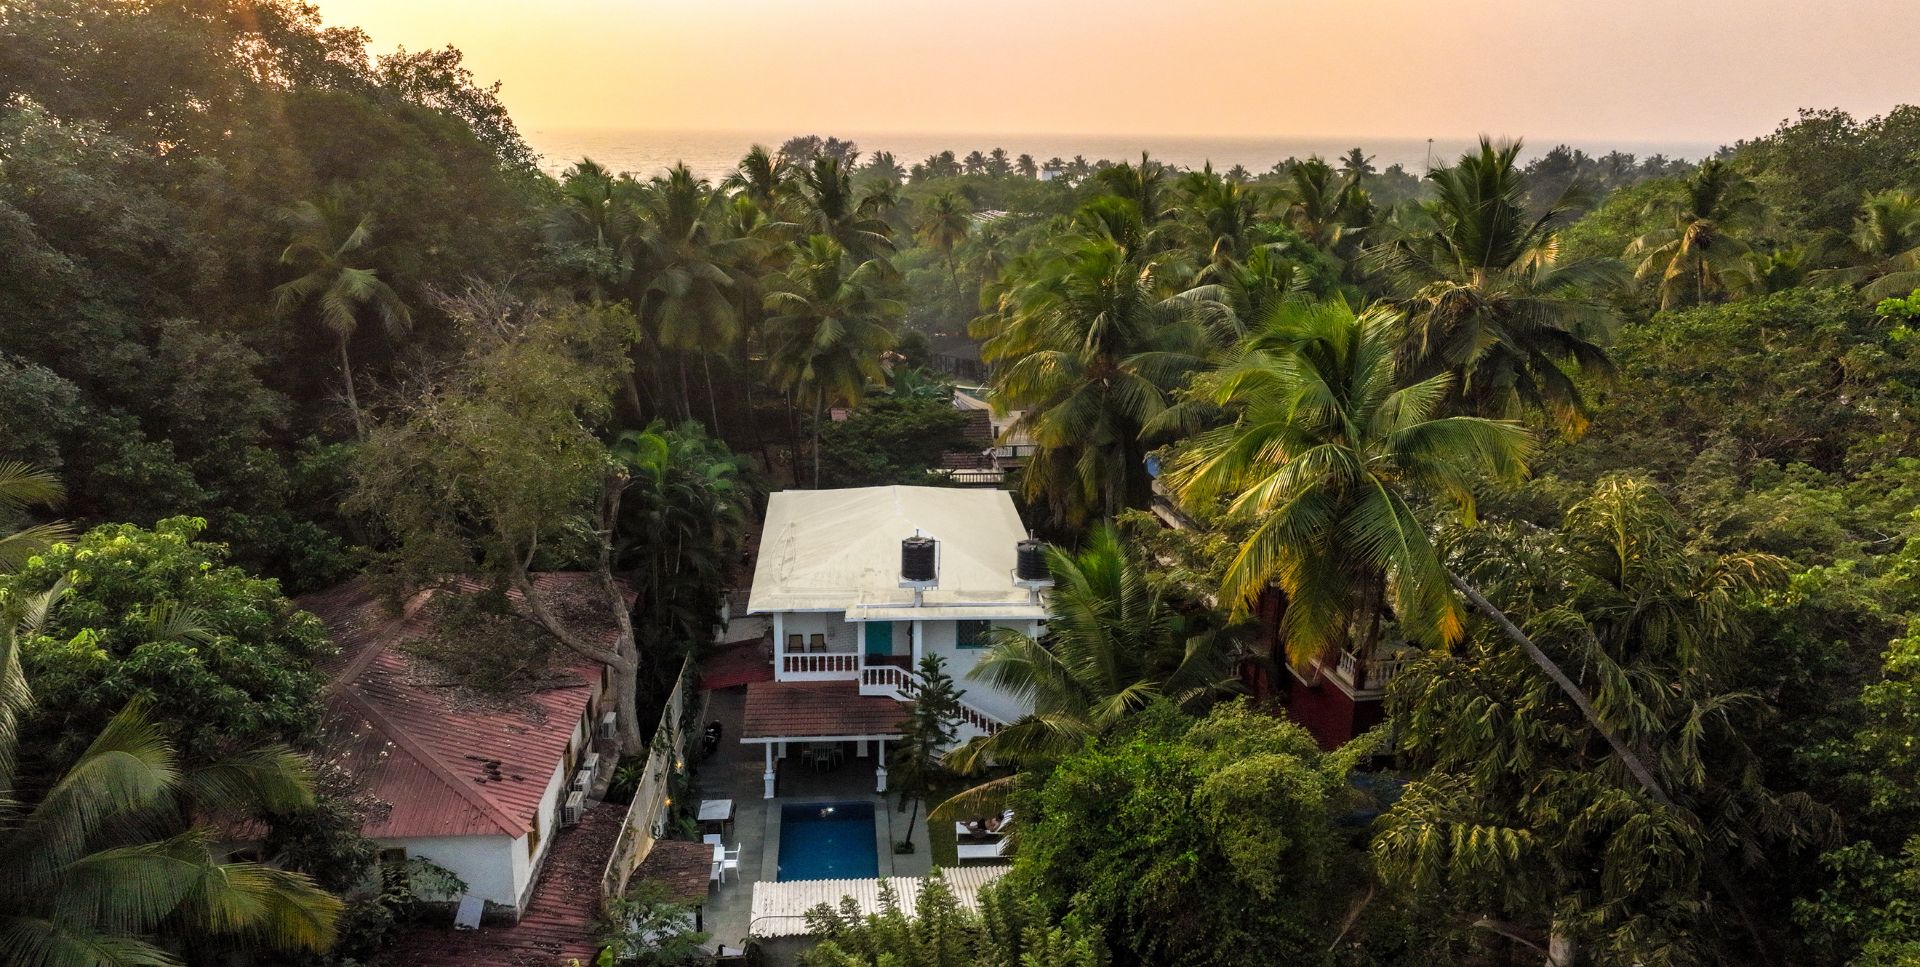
996	444
1335	698
476	785
849	627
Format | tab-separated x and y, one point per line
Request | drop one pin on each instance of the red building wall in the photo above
1327	712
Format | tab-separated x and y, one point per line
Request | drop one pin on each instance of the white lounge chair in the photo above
997	849
467	917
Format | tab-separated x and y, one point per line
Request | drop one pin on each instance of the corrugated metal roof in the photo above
835	549
438	764
802	709
780	909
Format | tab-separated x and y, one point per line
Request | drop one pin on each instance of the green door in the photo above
879	637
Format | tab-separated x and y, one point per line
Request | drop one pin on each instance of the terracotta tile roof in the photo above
965	461
435	762
736	664
801	709
979	426
685	869
558	924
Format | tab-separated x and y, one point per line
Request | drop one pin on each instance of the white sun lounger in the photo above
985	851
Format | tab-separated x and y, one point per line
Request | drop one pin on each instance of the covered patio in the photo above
819	719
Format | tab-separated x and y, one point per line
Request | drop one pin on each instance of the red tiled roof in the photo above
801	709
979	426
685	869
438	765
965	461
736	664
558	924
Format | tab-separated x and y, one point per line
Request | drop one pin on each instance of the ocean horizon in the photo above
713	154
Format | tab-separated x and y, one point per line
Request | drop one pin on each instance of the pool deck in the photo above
734	773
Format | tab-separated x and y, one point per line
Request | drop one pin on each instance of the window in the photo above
533	839
971	634
393	857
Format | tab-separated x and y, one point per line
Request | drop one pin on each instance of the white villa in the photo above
859	584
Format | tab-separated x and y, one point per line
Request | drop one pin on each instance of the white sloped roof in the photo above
780	909
840	549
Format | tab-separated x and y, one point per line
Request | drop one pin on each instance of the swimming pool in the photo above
827	841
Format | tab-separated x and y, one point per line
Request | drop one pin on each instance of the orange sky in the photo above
1685	70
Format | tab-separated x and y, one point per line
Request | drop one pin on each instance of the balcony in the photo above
1367	678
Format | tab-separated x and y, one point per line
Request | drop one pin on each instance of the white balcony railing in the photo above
1369	676
892	681
820	666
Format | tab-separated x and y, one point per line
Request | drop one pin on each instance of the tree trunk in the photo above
686	389
913	817
1562	949
1627	756
713	404
353	399
819	406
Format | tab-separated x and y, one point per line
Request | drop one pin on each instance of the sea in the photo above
713	154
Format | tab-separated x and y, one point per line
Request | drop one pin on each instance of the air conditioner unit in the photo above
582	781
609	726
571	809
590	763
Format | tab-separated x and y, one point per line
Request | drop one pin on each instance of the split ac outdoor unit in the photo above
581	781
590	763
570	811
609	725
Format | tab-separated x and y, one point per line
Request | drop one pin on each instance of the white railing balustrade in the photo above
892	681
1370	676
821	664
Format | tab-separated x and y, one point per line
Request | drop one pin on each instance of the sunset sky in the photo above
1692	70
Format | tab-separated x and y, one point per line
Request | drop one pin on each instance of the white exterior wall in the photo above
841	635
939	638
487	864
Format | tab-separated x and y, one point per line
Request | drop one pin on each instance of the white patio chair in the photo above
730	860
711	839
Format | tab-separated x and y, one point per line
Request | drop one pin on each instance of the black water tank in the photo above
1030	562
917	559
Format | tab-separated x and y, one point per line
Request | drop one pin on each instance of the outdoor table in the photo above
715	812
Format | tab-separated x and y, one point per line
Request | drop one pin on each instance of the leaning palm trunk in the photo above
353	399
1579	698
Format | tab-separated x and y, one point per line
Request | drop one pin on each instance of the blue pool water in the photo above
827	841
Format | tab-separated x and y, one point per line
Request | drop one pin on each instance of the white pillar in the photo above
766	778
880	766
779	645
918	643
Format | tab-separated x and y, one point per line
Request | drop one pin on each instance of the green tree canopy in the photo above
220	659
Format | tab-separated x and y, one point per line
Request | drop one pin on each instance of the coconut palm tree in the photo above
1696	256
1323	205
688	276
830	207
1113	644
329	247
1488	299
1027	167
884	168
1885	245
944	223
98	861
762	176
23	486
827	328
1087	344
1328	456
